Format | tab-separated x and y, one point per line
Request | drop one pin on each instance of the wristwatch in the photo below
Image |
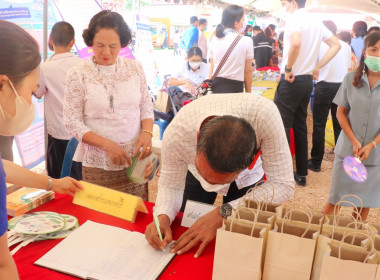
225	210
288	70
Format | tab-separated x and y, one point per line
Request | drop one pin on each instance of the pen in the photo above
157	227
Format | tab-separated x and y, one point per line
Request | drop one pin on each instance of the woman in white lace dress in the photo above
107	107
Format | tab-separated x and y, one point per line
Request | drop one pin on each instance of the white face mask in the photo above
242	29
205	185
10	126
195	65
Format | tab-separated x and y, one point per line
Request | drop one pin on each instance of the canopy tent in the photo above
369	6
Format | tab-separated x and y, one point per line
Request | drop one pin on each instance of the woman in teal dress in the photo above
358	101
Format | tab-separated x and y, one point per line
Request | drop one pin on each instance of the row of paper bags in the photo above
269	242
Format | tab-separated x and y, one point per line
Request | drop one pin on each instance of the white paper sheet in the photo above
98	251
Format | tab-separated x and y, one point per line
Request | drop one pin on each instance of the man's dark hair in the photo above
193	19
109	20
301	3
330	26
202	21
228	142
61	34
256	28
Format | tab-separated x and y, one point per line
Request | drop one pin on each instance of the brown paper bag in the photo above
343	262
162	103
367	243
290	252
323	247
299	217
248	214
239	250
251	199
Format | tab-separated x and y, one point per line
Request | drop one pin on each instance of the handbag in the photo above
206	86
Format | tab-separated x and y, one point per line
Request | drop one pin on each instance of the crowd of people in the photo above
223	143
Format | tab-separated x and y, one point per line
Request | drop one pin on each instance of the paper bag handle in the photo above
286	218
356	223
251	194
345	236
254	211
335	216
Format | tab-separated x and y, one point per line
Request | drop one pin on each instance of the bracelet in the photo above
374	144
50	184
149	132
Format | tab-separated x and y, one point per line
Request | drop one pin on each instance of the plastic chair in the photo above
68	159
162	124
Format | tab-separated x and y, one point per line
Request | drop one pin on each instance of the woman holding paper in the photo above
19	74
358	113
107	107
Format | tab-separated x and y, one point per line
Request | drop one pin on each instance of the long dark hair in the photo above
369	41
230	15
19	52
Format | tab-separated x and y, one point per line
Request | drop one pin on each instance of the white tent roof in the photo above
369	6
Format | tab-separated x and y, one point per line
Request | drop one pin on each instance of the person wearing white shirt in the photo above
211	147
236	73
302	40
52	87
330	79
202	41
191	72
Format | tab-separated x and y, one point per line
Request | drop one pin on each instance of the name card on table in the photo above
193	211
115	203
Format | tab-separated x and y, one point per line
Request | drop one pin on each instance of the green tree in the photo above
131	5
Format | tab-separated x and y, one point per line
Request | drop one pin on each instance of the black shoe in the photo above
300	180
313	167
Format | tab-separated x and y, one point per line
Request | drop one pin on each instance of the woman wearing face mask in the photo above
236	73
19	76
248	31
358	101
107	107
190	74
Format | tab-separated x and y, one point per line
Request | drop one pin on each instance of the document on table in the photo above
98	251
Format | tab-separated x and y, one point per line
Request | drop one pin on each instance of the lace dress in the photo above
110	101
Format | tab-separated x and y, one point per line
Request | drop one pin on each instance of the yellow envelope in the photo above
115	203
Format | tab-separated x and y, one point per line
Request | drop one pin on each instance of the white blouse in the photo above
110	101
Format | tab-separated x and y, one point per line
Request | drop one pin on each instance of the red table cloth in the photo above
182	266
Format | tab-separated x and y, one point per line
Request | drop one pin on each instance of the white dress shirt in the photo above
202	44
233	69
335	70
313	32
180	139
195	77
52	87
87	107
